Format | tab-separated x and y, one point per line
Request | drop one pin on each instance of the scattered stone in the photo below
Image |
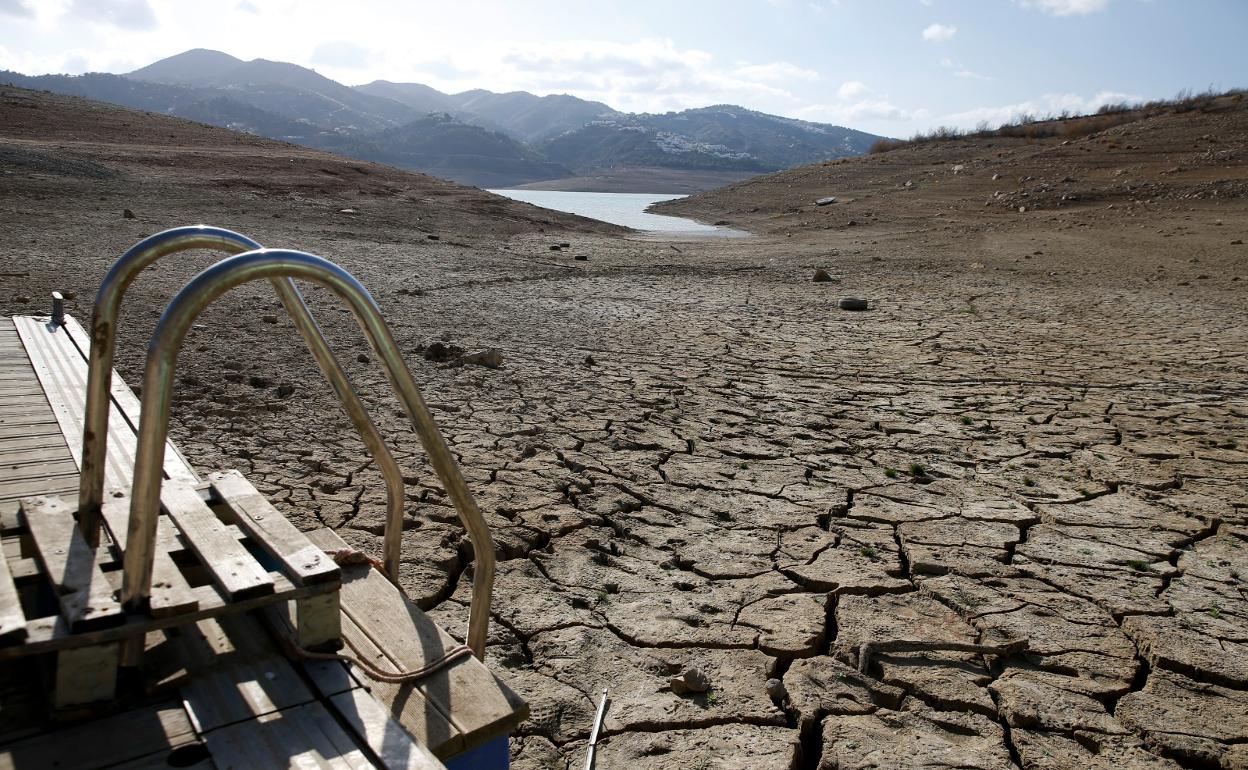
269	318
22	299
555	247
581	258
363	358
690	680
440	352
777	691
995	177
1237	242
589	361
958	169
853	303
127	214
346	211
1022	209
490	358
284	390
434	237
821	276
826	201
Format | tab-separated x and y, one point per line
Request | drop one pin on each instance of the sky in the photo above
890	67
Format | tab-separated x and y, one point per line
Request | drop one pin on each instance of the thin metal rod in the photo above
166	341
392	542
593	736
103	349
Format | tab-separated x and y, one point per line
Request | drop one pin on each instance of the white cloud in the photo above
939	33
1066	7
1048	104
851	88
126	14
970	75
16	8
780	71
342	53
859	111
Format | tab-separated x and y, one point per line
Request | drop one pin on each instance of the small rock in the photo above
127	214
1236	242
1022	209
269	319
555	247
852	303
908	183
346	211
258	382
490	358
828	201
70	295
821	276
777	691
995	177
363	358
589	361
434	237
565	245
692	680
581	258
958	169
22	298
440	351
284	390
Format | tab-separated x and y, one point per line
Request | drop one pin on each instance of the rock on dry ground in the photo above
693	459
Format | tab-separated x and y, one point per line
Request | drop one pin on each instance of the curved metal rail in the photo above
158	373
103	349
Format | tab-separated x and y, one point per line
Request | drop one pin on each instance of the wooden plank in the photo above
39	470
171	593
135	733
84	593
62	371
86	675
33	440
52	633
473	700
305	563
45	427
231	679
406	702
303	737
12	618
176	466
234	570
372	723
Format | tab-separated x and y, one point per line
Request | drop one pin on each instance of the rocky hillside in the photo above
1128	169
542	137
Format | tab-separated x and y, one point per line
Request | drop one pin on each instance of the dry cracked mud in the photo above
691	458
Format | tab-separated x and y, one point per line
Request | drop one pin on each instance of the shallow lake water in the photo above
627	209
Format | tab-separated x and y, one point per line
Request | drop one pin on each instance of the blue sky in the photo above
891	67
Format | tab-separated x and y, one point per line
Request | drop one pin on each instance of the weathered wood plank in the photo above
302	737
477	704
305	562
62	371
405	702
52	633
234	570
171	593
86	675
106	742
176	466
12	618
235	679
372	723
85	596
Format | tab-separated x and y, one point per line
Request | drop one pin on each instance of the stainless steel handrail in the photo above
103	349
162	353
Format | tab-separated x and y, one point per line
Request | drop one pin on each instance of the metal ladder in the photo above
250	262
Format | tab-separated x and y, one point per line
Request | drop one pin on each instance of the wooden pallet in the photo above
222	549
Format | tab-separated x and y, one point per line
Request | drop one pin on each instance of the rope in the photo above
393	677
344	557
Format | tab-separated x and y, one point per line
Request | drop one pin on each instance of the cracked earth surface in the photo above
692	459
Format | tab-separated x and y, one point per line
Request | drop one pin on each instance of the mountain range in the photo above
476	137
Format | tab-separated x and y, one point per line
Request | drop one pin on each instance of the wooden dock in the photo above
216	689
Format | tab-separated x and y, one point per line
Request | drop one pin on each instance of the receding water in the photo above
627	209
